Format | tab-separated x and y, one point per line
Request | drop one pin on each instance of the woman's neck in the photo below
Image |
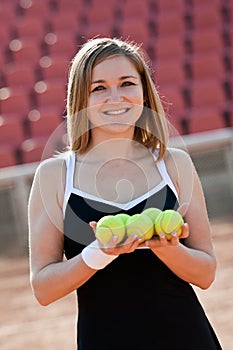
105	146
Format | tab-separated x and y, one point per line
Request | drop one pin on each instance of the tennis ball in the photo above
153	213
140	224
108	226
124	217
169	221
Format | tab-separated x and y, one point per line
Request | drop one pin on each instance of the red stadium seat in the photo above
165	6
2	63
207	17
97	30
170	24
64	5
63	45
20	76
25	51
14	102
5	36
43	123
54	68
35	9
208	93
7	14
200	4
7	157
206	41
170	47
96	15
11	132
173	101
32	150
37	149
64	22
30	28
131	30
208	106
135	10
205	119
207	66
49	94
168	72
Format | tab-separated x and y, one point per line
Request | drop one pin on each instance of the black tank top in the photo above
136	302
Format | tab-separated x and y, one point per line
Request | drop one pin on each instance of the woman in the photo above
136	295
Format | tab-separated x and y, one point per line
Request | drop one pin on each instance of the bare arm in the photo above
195	261
52	277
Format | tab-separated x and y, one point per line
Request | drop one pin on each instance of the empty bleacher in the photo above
189	43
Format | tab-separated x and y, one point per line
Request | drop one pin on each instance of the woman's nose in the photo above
115	95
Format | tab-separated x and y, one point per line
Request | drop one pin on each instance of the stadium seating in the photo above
207	17
25	50
14	102
7	157
21	76
43	123
62	23
32	150
34	9
29	28
207	65
189	43
170	24
53	68
49	94
67	5
11	132
60	44
205	119
170	47
167	6
169	72
209	40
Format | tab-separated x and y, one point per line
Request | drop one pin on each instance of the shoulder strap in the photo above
70	165
165	176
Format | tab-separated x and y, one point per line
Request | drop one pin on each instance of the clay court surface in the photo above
24	324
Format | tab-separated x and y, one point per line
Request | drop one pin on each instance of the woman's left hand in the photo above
161	241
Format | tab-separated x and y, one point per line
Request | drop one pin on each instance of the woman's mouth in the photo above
117	111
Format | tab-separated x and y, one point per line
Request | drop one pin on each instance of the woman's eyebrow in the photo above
128	77
99	81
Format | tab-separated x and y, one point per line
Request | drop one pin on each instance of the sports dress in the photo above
136	302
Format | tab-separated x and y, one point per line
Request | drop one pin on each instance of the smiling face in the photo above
116	96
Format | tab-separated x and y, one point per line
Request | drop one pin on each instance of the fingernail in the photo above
162	235
174	234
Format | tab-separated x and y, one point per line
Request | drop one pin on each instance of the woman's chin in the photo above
117	127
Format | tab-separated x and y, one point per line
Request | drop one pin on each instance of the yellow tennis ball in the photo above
169	221
141	225
153	213
123	216
108	226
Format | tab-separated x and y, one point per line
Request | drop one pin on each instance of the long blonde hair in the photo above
151	129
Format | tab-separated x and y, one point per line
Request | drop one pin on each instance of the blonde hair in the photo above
151	129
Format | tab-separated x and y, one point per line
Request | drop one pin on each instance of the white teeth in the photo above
116	112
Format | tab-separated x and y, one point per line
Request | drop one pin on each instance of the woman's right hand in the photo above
127	246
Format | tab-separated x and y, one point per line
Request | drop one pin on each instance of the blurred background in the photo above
189	44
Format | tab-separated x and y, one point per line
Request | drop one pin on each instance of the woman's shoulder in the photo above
53	164
177	155
178	164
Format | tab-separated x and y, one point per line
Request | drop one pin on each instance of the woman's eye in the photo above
127	83
98	88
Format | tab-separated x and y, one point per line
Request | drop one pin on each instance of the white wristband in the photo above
95	258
